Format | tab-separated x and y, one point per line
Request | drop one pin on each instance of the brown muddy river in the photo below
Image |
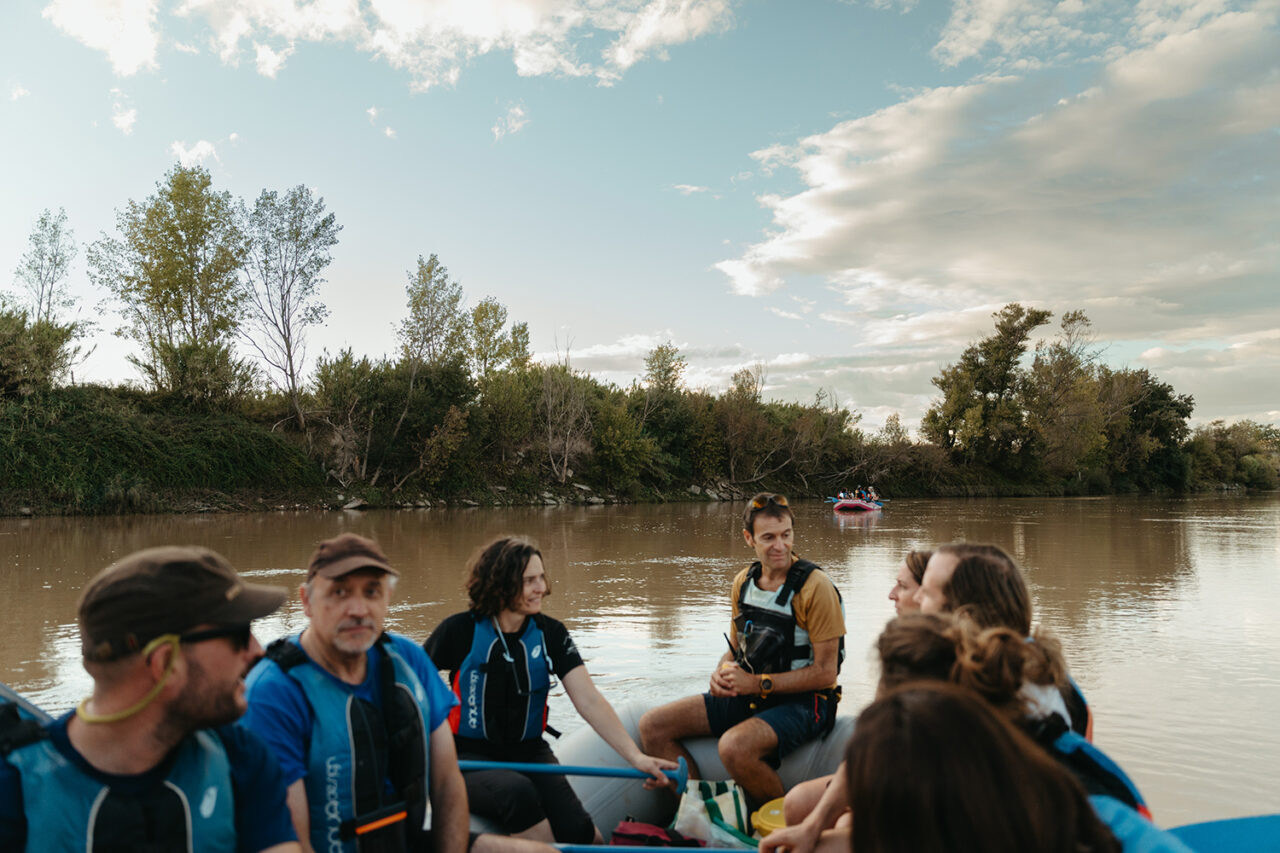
1168	609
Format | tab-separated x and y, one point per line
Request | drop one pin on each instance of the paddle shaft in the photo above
680	775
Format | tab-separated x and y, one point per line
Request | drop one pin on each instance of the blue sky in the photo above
843	191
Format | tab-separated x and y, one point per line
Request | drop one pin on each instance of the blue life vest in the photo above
357	747
1136	834
190	810
502	689
1094	768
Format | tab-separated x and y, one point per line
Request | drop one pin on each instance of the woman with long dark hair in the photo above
933	768
501	655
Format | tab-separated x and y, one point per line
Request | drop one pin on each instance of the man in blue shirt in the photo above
357	717
150	760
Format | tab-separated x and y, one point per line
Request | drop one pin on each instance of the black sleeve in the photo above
560	646
450	641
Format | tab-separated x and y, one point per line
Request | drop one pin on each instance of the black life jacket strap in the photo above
286	654
17	731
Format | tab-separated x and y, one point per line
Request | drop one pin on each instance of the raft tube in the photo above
610	801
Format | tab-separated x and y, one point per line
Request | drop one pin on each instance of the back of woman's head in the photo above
917	646
987	586
931	767
496	574
994	663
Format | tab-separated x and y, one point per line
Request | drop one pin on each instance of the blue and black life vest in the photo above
502	686
190	810
1094	768
769	637
356	747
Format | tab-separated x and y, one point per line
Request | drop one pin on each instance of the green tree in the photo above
435	329
1062	399
175	270
33	354
564	418
664	368
44	267
490	344
289	240
980	418
1146	427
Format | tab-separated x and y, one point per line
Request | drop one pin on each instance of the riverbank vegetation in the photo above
219	296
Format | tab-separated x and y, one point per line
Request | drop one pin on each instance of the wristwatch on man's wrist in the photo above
766	686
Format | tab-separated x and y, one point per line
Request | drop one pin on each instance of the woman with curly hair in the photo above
500	655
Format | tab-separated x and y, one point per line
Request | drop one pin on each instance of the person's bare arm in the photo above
818	675
804	837
450	814
296	799
599	714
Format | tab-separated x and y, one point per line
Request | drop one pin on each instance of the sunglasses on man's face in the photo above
764	500
239	635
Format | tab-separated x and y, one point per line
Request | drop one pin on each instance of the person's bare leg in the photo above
802	798
490	843
540	831
662	728
742	750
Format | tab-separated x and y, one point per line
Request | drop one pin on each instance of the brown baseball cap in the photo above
167	590
345	554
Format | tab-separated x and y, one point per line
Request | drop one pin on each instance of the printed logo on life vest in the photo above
208	801
332	810
536	653
473	701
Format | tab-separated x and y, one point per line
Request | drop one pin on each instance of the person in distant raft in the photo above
501	654
775	689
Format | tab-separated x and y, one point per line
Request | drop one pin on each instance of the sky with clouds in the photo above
844	191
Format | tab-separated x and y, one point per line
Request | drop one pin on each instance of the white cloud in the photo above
16	92
690	189
372	112
1025	33
125	30
183	47
123	116
268	60
787	315
431	41
233	138
515	119
195	155
1144	196
389	133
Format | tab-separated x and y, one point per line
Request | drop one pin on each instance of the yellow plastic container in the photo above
769	817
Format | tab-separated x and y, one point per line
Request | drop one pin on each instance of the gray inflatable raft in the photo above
609	801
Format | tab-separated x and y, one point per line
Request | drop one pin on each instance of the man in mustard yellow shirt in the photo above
775	689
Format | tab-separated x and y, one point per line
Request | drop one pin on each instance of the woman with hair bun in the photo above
1018	680
500	655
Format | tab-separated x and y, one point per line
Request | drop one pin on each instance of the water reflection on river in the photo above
1166	607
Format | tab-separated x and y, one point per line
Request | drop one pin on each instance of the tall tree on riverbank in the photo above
175	270
44	267
288	243
980	418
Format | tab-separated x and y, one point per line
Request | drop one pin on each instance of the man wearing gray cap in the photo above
358	717
149	761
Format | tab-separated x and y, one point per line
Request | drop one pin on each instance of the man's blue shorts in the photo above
795	718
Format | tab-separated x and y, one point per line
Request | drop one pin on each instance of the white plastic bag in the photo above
715	812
